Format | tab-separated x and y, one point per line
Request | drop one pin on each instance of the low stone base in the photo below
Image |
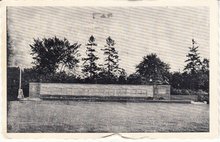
109	99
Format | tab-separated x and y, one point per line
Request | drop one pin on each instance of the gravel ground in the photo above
114	117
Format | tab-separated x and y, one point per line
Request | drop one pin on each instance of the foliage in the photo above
204	75
134	79
90	68
105	77
52	54
182	80
149	98
31	75
10	52
176	80
193	61
111	65
205	65
205	72
202	79
203	98
122	79
180	91
196	75
111	72
153	70
197	81
12	83
175	91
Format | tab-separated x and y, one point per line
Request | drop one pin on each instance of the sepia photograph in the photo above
108	69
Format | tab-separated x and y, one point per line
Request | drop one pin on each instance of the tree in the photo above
177	80
153	70
193	61
90	68
203	76
197	70
134	78
111	72
111	64
53	54
205	65
10	52
122	79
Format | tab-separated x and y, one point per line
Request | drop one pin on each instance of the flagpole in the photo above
20	78
20	91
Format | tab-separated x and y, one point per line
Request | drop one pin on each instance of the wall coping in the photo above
102	84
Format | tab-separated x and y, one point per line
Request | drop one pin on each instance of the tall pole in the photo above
20	91
20	79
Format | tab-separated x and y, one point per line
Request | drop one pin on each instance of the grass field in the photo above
72	116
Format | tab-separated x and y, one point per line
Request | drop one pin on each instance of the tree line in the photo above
195	75
55	60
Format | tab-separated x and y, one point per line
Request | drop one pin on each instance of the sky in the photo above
137	31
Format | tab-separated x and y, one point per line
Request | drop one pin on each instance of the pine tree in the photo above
111	73
193	67
90	68
205	65
111	62
193	61
203	76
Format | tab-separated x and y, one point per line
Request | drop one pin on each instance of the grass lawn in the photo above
73	116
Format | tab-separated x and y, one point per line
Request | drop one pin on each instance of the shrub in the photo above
185	92
161	98
134	79
203	97
150	98
175	91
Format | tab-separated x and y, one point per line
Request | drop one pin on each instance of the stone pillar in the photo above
34	90
162	92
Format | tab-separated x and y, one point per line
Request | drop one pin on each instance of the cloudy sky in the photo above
137	31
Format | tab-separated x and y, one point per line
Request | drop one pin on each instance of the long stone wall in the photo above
64	89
